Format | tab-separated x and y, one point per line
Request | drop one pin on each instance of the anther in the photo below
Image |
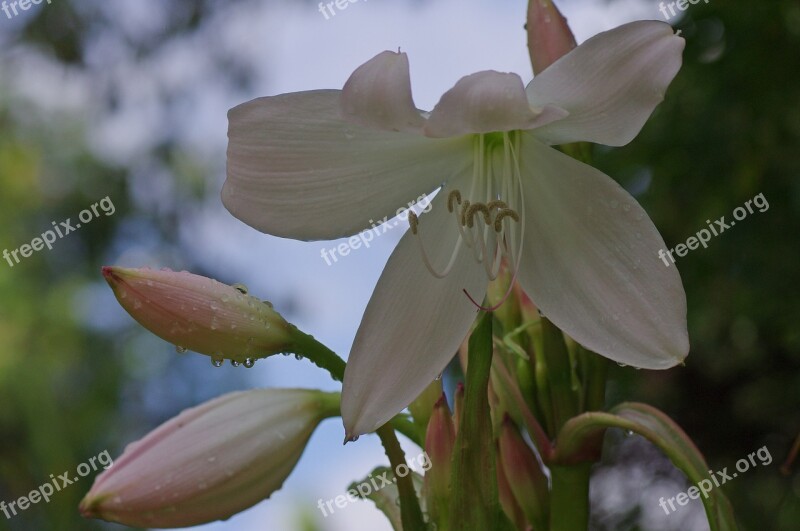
464	208
454	194
505	213
413	221
477	207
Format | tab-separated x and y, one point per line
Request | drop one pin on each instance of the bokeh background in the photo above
127	99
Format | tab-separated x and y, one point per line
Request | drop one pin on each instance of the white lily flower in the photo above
320	164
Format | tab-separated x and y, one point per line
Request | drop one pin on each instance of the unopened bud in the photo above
211	461
549	36
507	500
524	475
439	442
200	314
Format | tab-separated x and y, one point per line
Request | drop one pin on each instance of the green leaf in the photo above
580	434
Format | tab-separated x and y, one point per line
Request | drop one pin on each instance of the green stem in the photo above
569	498
325	358
410	512
559	374
318	354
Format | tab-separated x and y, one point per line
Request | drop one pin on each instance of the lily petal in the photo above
297	170
591	264
378	95
413	324
487	102
610	84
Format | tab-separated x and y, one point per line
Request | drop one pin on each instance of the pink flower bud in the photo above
507	500
211	461
549	36
439	442
524	475
200	314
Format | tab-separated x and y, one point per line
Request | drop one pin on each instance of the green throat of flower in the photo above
489	213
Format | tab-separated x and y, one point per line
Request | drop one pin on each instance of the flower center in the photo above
490	215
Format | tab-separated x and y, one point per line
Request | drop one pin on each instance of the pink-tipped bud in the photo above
439	442
525	477
549	36
200	314
507	500
211	461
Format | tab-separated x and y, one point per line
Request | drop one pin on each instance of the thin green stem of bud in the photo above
410	512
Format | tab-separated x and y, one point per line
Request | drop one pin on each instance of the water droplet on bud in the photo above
234	363
216	362
241	288
181	350
249	363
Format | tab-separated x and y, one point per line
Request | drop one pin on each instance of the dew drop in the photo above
267	303
235	363
181	350
241	288
438	377
298	356
216	362
628	433
621	364
626	207
249	363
